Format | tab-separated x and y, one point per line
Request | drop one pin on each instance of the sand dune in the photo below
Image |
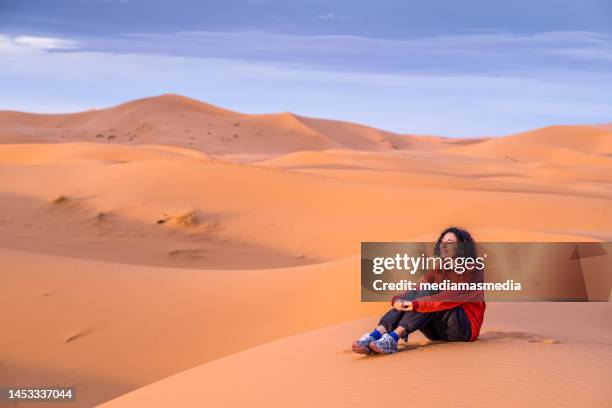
146	239
585	145
606	126
88	318
253	209
180	121
546	367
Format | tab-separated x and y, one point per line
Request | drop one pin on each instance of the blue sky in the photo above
447	67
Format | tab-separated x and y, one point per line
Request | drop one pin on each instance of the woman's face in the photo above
448	245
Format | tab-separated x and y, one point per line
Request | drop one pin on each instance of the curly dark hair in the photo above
466	246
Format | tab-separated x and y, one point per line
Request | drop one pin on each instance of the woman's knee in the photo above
390	319
412	321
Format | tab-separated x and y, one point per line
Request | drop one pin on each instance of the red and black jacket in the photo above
471	301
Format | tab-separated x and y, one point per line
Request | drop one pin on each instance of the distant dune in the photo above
606	126
167	234
582	144
180	121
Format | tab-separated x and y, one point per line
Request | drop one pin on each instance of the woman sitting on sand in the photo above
443	315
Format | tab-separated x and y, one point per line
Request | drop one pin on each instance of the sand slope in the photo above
107	328
586	145
511	365
173	244
180	121
174	207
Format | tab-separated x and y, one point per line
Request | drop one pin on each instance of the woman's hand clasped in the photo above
402	305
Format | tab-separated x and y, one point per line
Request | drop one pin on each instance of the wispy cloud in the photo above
45	43
498	53
21	44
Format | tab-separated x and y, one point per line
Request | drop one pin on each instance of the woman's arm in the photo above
428	277
449	299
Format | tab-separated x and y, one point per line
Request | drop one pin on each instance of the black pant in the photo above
446	325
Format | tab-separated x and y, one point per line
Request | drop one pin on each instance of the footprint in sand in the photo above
530	337
78	335
545	341
187	254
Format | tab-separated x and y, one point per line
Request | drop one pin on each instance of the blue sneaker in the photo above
361	346
385	345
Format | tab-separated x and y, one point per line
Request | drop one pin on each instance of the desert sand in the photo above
167	252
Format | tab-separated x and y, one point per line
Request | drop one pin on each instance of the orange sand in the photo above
166	235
